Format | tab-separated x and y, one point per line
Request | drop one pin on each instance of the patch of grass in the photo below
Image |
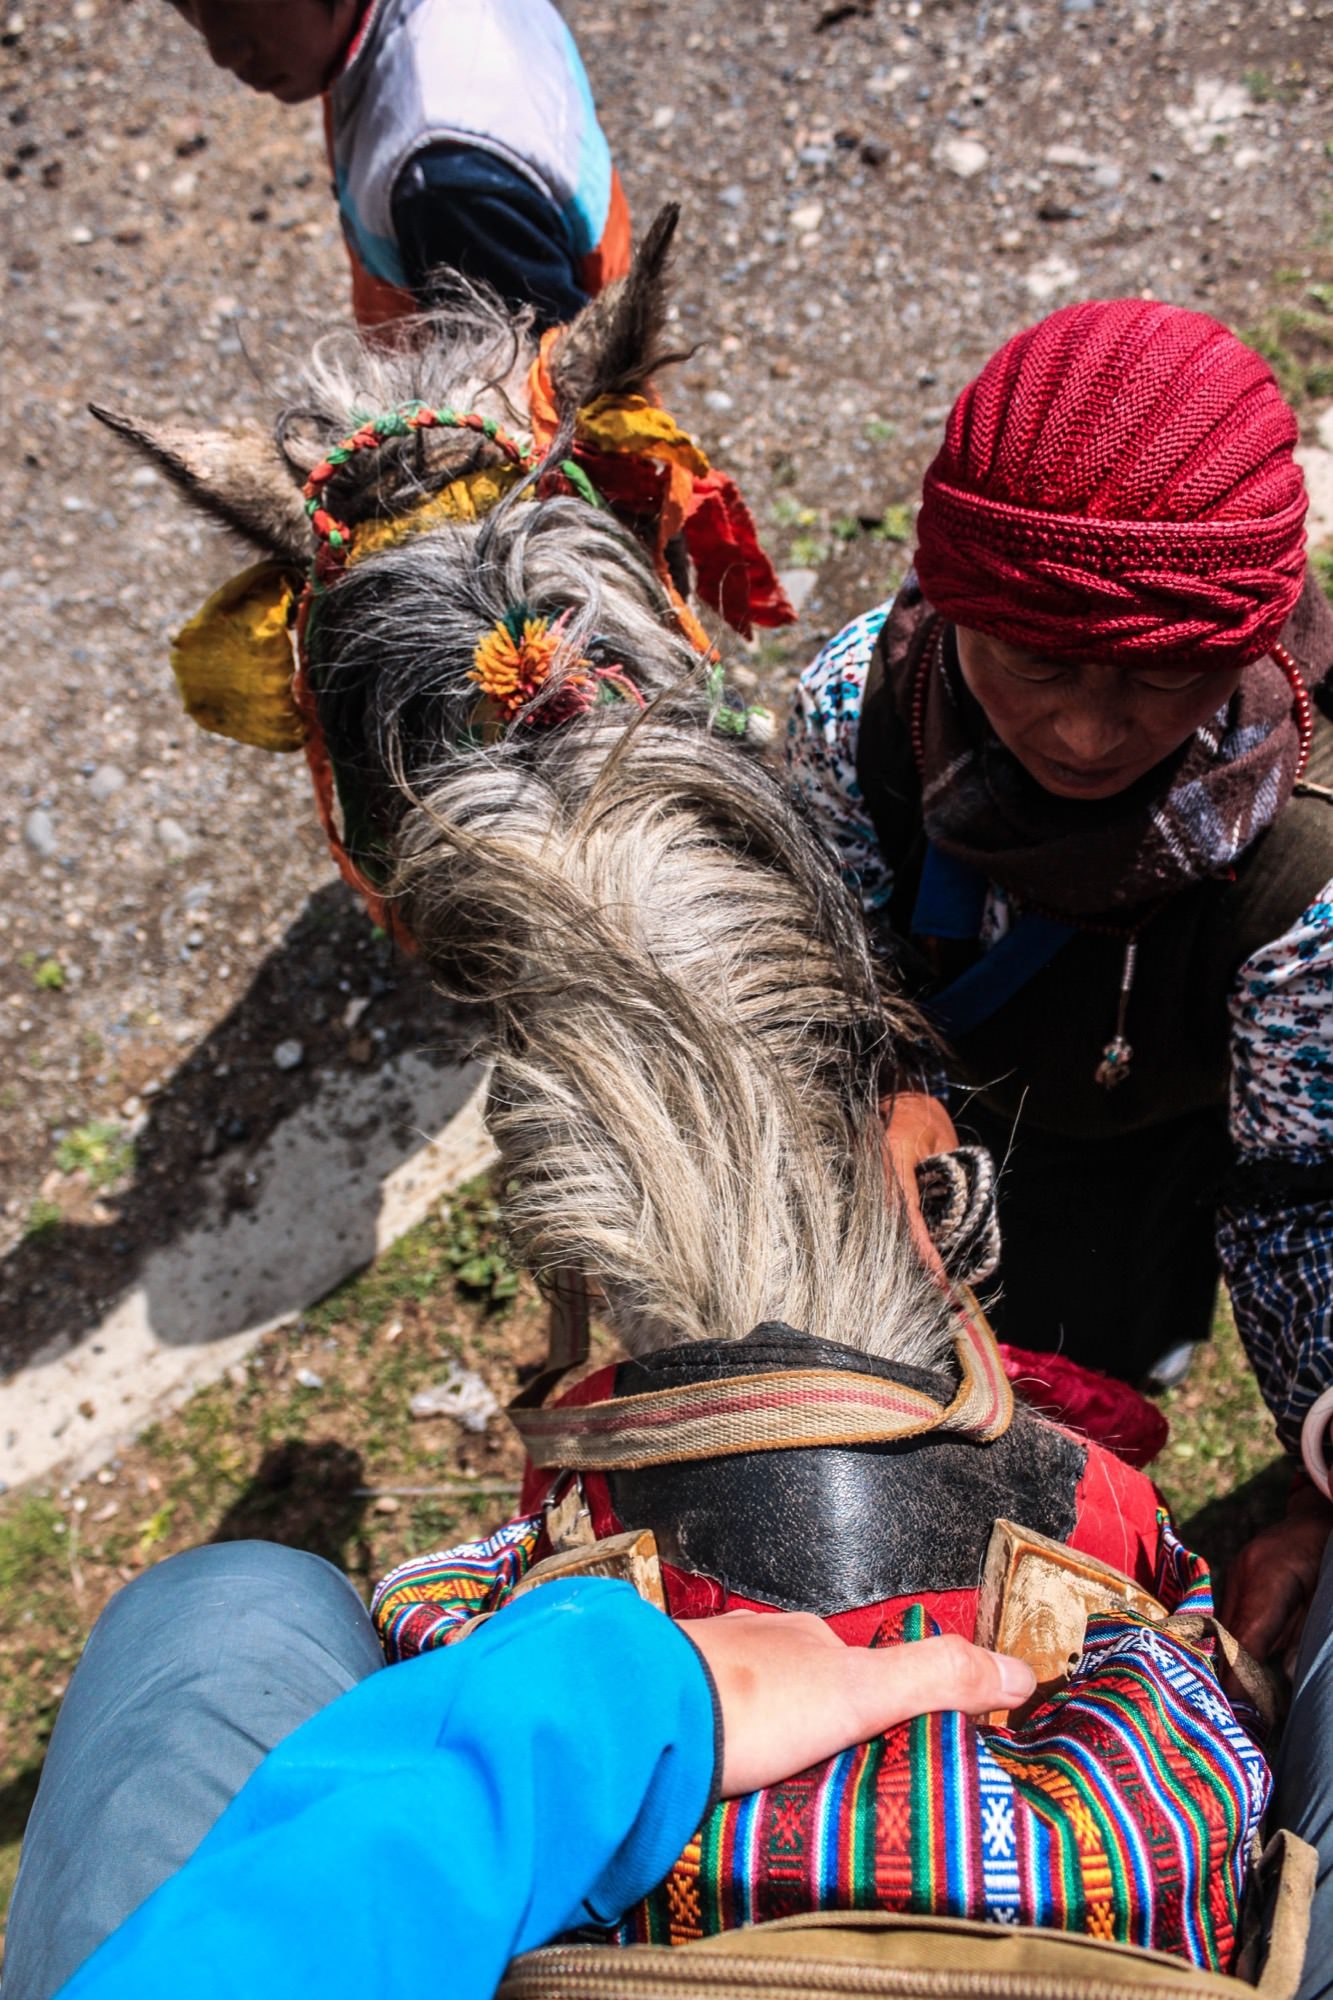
50	976
1321	562
877	431
31	1547
44	1219
807	551
1259	84
100	1149
789	512
1222	1472
1297	344
476	1246
895	524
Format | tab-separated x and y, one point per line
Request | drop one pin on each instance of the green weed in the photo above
476	1249
789	512
50	976
895	524
100	1149
44	1219
1297	344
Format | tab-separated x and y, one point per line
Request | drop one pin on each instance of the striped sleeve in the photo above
1275	1238
821	756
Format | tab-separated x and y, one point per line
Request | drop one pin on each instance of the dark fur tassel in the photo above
620	340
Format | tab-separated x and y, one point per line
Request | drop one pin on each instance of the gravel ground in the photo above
875	193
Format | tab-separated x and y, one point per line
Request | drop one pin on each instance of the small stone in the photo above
806	218
663	116
874	152
719	402
388	1503
1106	176
353	1011
798	584
288	1055
40	833
733	196
1053	274
964	157
306	1378
82	235
106	781
174	841
1067	156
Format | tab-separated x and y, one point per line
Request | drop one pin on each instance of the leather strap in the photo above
782	1410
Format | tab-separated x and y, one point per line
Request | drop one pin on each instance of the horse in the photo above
541	780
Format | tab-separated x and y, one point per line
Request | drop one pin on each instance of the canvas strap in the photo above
781	1410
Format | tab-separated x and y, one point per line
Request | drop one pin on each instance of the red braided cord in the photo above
334	536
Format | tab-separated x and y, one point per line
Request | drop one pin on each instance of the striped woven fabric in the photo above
1123	1808
427	1600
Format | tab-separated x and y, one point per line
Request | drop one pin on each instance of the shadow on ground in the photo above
307	1494
334	985
1220	1529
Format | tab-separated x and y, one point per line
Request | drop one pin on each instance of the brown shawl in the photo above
1190	817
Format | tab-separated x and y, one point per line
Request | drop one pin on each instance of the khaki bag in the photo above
937	1958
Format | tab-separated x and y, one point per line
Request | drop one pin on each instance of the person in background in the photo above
1079	771
237	1795
462	136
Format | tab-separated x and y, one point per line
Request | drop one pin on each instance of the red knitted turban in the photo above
1117	482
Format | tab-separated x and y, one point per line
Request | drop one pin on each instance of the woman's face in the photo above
1088	732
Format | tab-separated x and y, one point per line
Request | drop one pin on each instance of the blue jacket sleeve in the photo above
460	208
468	1804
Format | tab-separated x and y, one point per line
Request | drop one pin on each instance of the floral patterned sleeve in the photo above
821	755
1275	1226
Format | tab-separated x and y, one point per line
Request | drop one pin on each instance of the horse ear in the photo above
238	476
618	341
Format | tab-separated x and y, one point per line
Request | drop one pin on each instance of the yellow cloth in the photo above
233	662
633	424
465	499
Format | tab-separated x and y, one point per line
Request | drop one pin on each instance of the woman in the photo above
1075	772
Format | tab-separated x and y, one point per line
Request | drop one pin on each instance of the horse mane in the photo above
689	1033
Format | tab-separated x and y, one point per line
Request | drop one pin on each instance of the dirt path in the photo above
875	193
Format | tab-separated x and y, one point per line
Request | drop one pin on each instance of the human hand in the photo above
1271	1582
792	1694
915	1128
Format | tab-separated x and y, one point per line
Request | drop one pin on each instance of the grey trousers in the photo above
201	1665
1303	1778
191	1675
